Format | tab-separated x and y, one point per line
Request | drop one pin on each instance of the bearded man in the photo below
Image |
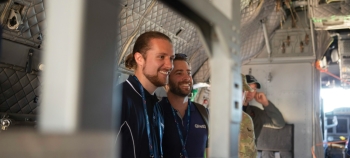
142	124
186	122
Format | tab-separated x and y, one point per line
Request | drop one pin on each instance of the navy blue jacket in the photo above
197	134
132	132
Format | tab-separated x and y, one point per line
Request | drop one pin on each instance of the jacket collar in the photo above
134	84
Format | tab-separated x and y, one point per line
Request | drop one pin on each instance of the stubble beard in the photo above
175	89
154	79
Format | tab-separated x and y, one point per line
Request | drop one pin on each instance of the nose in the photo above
187	77
168	64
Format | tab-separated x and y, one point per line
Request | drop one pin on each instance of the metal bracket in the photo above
29	61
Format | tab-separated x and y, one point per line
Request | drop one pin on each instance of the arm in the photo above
275	118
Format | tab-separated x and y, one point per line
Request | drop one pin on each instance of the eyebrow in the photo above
166	54
182	70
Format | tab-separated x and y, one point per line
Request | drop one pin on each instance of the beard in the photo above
154	79
175	89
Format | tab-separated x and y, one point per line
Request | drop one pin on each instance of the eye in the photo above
162	57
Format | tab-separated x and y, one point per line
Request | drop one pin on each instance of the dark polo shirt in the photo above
197	134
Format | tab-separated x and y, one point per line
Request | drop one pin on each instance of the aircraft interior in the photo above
61	61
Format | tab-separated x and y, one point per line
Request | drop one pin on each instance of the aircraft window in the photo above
335	98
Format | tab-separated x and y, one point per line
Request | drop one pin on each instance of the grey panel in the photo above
293	49
276	139
19	91
295	95
17	54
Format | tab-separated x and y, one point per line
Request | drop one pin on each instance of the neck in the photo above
178	102
148	85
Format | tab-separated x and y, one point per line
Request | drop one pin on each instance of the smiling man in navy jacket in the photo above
141	127
186	131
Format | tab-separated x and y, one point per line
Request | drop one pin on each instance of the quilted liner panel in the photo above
19	91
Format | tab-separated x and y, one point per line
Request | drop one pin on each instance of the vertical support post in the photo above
79	66
226	93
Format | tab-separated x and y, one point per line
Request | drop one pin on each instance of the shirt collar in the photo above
165	100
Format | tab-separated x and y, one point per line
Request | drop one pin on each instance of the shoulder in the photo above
254	108
164	103
246	119
197	105
127	91
164	107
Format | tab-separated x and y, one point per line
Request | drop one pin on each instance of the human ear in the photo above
139	59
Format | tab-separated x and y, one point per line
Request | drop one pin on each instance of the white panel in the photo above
60	97
291	91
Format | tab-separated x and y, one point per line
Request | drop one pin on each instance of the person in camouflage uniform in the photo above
247	147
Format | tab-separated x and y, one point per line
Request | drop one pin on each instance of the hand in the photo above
261	98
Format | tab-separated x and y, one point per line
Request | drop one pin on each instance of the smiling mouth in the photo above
164	72
188	85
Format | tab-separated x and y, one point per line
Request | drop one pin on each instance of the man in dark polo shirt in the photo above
185	132
142	125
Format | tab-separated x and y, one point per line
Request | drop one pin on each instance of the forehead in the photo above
158	43
181	65
252	85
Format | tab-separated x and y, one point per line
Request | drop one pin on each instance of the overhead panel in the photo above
252	37
139	16
335	15
24	22
344	64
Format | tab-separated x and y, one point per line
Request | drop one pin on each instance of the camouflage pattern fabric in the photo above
247	148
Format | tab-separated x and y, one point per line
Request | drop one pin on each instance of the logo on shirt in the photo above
200	126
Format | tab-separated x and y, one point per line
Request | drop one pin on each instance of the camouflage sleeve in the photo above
247	148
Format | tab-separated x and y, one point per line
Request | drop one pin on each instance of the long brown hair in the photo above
142	46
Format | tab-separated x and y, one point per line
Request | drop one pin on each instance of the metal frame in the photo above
221	37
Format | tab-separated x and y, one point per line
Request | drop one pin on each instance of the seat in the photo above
276	143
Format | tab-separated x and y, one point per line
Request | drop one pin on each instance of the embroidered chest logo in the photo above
200	126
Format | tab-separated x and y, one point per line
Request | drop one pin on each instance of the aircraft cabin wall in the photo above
290	89
290	81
